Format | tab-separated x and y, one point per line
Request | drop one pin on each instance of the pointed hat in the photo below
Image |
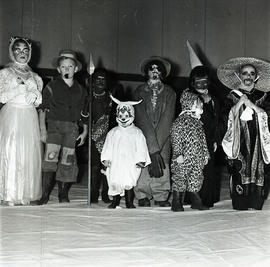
193	58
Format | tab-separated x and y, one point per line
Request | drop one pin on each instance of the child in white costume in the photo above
20	153
124	153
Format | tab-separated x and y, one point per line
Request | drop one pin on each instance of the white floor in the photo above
76	235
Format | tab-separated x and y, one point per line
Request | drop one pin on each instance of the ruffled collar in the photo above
22	70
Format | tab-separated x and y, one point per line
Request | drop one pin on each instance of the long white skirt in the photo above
20	154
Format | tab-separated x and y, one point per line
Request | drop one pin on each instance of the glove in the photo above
156	167
31	98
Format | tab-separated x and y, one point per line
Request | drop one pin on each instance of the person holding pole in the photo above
101	108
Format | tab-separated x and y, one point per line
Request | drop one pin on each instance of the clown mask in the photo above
125	112
124	115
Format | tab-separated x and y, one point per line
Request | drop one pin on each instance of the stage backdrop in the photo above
120	33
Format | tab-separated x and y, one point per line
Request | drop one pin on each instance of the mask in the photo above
197	113
125	113
20	47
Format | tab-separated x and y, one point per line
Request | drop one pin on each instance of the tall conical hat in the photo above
193	58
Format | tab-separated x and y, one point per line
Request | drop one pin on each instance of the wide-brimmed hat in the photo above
165	63
67	53
226	72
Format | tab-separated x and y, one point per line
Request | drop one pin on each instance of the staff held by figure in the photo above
90	70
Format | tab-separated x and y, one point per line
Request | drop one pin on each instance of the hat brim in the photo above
55	62
166	64
226	72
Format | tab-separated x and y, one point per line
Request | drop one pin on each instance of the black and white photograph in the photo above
134	133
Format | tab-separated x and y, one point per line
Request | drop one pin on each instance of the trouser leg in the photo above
95	183
129	198
48	183
105	189
196	202
63	191
115	202
177	202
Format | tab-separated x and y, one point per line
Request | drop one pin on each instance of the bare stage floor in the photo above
75	235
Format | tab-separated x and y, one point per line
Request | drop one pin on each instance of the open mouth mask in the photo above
13	41
125	113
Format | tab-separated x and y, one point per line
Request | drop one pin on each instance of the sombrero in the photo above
226	72
166	64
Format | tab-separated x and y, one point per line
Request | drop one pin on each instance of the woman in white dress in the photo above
20	154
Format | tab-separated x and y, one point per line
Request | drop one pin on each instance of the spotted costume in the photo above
188	139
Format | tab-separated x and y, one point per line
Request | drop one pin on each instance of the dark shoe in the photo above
197	202
144	202
35	203
105	198
129	198
48	183
94	200
115	202
162	203
63	192
60	191
94	196
177	202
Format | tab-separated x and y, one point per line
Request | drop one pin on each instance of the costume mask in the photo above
20	50
154	73
247	77
201	85
191	104
197	109
125	114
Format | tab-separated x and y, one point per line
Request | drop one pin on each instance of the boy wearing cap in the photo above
64	104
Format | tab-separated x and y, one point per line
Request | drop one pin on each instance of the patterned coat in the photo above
188	139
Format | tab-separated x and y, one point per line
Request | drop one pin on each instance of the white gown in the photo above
124	147
20	154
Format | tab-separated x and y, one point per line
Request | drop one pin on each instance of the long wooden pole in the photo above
90	70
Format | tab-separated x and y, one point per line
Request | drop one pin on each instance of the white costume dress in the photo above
20	154
124	148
